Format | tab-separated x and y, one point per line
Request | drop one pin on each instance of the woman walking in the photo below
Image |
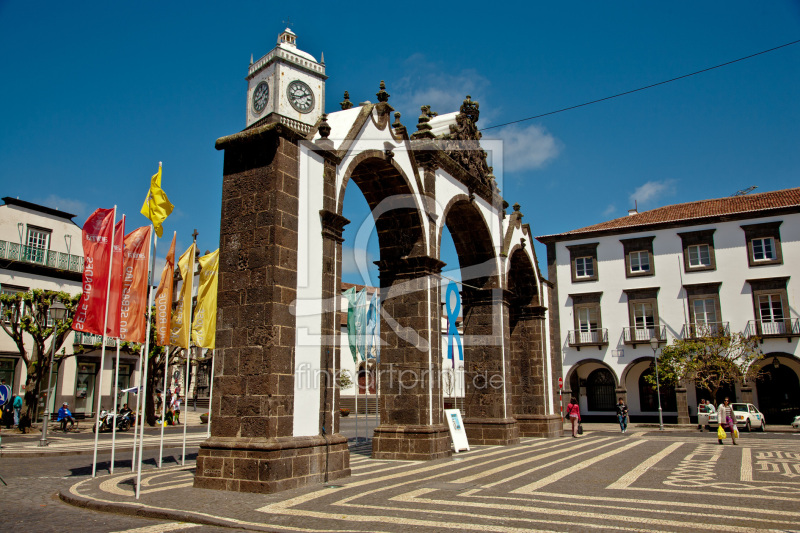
574	414
726	419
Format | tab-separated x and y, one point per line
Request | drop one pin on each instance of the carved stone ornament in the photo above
347	104
464	147
382	95
324	127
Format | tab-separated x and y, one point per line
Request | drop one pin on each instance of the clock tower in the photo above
287	85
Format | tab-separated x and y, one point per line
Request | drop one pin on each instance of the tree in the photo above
24	315
709	362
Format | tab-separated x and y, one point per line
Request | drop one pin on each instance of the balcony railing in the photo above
29	254
596	337
788	328
710	329
88	339
634	335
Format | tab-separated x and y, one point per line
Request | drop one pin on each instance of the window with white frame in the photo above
705	311
587	318
764	249
699	256
38	243
771	307
584	267
640	261
643	315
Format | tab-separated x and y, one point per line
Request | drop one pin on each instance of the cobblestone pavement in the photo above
639	481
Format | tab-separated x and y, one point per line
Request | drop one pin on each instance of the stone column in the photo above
412	423
527	376
747	394
683	404
252	447
489	412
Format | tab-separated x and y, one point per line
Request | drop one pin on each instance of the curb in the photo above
140	510
17	454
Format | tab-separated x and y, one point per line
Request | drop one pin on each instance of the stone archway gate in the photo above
274	412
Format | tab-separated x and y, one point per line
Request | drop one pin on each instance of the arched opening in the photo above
600	389
778	391
648	398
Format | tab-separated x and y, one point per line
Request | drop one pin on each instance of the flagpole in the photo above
116	406
163	405
134	425
210	393
146	362
103	350
188	344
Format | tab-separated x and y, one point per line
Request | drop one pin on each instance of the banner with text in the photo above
90	312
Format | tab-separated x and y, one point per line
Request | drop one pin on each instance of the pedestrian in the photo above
17	408
176	407
64	416
726	420
159	402
574	414
622	415
701	409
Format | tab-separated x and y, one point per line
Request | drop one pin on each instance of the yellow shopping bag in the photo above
720	432
735	432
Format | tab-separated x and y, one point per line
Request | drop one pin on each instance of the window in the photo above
588	326
587	319
698	250
771	306
600	387
699	256
638	256
640	261
9	290
643	315
583	262
763	244
764	249
38	243
704	311
584	267
643	312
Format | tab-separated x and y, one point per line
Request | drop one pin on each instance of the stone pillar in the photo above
527	376
683	404
252	447
412	422
489	412
747	394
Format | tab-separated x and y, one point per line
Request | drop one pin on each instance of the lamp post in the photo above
654	346
57	313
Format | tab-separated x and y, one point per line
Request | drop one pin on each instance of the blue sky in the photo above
96	93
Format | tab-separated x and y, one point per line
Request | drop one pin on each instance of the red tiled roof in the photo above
750	203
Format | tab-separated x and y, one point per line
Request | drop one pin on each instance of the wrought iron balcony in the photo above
709	329
89	339
596	337
28	254
636	335
786	328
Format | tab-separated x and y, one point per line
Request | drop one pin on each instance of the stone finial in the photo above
516	208
322	58
324	128
347	104
522	243
396	123
382	95
424	119
470	109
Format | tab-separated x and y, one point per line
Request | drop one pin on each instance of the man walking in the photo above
17	405
622	415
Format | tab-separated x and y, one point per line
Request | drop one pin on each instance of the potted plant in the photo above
204	418
344	411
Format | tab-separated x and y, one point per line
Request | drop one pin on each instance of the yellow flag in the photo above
182	316
156	206
204	327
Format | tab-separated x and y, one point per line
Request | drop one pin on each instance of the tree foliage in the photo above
709	362
25	318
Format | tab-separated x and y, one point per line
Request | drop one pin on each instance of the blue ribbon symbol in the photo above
452	317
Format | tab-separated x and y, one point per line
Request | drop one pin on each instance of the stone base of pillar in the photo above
491	431
270	465
411	443
540	425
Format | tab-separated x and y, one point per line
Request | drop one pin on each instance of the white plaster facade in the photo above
733	274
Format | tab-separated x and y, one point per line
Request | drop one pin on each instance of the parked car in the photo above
747	414
707	418
796	423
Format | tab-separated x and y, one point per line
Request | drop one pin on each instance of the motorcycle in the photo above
124	421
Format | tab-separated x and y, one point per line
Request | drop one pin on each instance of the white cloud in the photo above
526	147
75	207
610	210
352	257
428	83
652	192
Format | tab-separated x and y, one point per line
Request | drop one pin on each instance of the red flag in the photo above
164	298
133	311
115	294
90	313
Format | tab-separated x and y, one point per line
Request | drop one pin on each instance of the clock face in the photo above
260	97
300	96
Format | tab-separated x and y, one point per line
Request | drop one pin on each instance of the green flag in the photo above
350	294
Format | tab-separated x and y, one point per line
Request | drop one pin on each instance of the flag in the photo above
350	294
360	317
356	321
115	287
133	311
182	317
370	346
90	312
164	298
156	206
204	327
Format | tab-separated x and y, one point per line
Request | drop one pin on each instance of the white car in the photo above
708	418
747	414
796	423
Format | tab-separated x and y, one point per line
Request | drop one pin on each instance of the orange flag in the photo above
133	311
89	314
164	298
115	293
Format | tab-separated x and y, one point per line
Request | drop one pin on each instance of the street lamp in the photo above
654	346
58	313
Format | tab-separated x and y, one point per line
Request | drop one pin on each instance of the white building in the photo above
674	272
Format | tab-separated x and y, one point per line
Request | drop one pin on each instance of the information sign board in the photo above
457	431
